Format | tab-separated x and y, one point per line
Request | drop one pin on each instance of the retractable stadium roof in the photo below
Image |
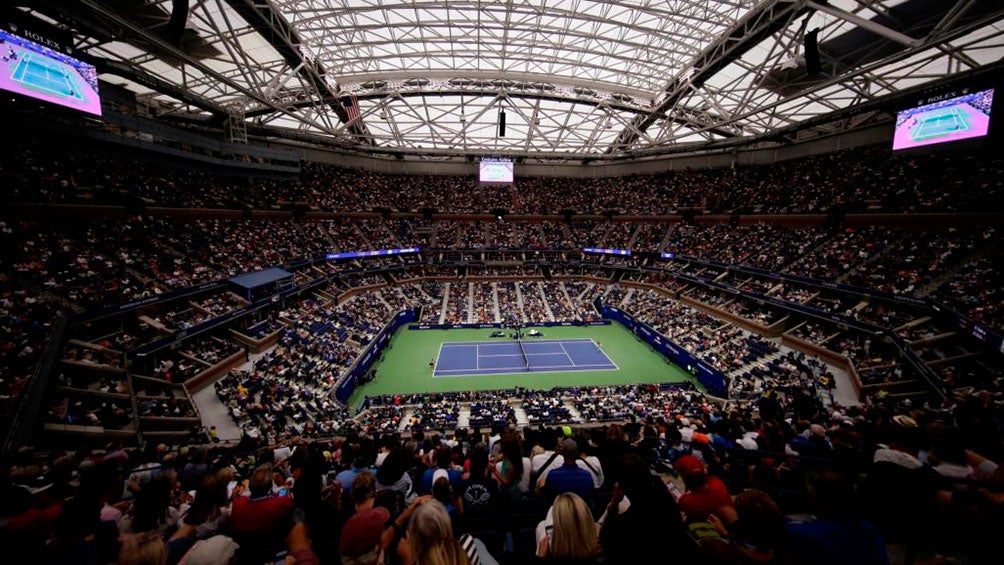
578	79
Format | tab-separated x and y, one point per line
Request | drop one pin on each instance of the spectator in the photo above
512	472
261	519
650	523
430	539
479	492
569	477
443	459
360	539
572	536
393	473
705	494
752	535
348	476
834	533
443	493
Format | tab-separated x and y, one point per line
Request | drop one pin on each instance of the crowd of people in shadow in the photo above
671	475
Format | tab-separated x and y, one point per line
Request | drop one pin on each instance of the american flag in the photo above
351	105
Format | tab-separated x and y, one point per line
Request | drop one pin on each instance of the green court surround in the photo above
404	364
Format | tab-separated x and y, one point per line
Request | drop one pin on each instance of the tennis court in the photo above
39	73
456	359
938	123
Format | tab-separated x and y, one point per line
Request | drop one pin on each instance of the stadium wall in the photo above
601	169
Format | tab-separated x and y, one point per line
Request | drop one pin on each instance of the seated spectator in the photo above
262	515
360	540
705	495
348	476
512	472
572	535
479	492
393	472
429	537
649	526
569	477
443	459
834	533
751	535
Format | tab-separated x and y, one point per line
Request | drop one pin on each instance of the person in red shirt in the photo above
705	494
263	516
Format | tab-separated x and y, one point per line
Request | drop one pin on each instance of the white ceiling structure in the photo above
577	79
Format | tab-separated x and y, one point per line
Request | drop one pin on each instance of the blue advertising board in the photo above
347	385
713	380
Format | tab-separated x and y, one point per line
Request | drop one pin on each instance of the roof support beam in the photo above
274	28
865	23
765	20
118	20
138	76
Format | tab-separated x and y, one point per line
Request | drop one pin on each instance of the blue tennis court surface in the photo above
938	123
41	74
505	357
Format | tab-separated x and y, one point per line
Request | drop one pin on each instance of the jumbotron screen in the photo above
31	69
961	117
495	170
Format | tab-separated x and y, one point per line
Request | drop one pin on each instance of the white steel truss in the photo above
578	79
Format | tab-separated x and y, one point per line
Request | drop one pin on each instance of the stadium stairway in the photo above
519	302
214	413
761	362
445	304
521	419
495	302
543	298
470	303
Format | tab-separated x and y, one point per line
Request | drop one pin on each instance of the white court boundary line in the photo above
564	369
27	59
470	343
565	351
611	365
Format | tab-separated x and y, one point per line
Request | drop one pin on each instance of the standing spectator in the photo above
443	458
393	472
900	490
348	476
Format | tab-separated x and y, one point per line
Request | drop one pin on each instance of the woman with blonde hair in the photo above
573	534
429	539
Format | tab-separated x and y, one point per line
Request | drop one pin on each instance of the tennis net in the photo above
526	360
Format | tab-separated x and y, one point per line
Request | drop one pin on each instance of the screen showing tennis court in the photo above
33	70
962	117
